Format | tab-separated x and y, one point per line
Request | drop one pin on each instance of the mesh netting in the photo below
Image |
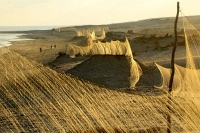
109	48
187	79
89	33
34	98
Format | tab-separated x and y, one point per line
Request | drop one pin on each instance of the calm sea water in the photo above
25	28
6	38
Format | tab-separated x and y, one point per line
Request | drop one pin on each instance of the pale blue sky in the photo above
79	12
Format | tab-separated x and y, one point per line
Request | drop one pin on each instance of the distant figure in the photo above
40	49
51	46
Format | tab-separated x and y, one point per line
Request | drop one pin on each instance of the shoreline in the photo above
7	38
41	39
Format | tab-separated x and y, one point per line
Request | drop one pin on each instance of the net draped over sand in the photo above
90	33
186	79
34	98
186	84
109	48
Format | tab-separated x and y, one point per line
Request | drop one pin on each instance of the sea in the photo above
6	38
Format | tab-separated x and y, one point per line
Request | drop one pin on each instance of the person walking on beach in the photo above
40	49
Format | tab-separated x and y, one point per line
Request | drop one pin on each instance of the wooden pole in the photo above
172	71
173	51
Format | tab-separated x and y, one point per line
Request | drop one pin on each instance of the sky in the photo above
85	12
